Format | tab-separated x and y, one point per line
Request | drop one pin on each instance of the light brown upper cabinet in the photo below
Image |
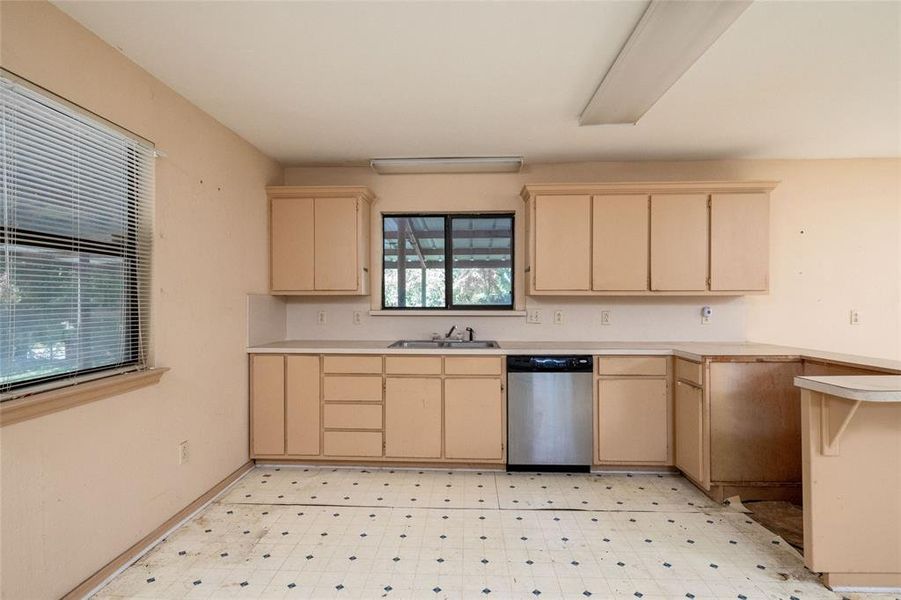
562	238
319	240
646	239
619	248
739	242
679	242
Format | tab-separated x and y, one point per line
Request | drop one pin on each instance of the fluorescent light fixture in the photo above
460	164
670	36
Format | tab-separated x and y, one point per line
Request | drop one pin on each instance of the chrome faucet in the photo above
450	332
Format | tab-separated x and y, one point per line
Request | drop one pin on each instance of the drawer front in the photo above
352	443
353	416
352	389
352	364
631	365
473	365
689	371
413	365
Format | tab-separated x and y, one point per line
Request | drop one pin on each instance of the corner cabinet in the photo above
319	240
634	239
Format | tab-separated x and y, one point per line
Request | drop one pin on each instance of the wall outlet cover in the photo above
558	317
183	452
606	317
533	316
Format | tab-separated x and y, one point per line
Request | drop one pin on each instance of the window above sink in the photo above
444	262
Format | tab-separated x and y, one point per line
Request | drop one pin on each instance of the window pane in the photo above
61	311
414	262
482	258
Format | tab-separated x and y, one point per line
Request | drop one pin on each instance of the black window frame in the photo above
448	262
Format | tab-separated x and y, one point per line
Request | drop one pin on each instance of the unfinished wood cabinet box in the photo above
319	240
632	411
655	238
737	427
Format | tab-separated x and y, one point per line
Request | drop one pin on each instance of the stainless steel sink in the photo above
443	344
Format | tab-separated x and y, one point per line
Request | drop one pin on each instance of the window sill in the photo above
447	313
45	403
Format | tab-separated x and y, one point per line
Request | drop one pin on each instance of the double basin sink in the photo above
443	344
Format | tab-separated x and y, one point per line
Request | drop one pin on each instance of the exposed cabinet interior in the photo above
739	242
319	240
619	242
658	238
679	242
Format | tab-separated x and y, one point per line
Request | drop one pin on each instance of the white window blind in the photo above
74	245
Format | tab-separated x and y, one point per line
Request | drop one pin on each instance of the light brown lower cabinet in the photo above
474	419
267	415
302	404
632	420
413	417
689	428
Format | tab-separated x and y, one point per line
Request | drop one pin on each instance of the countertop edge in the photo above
833	388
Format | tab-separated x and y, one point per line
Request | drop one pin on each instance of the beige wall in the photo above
835	245
80	486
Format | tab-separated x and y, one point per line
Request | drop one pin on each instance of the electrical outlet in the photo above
533	317
606	317
855	317
558	317
183	452
358	317
706	314
321	317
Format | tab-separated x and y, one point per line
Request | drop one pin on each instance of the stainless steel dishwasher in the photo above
549	413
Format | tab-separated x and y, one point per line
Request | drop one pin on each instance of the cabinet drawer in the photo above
413	365
350	389
352	443
352	364
473	365
689	371
353	416
631	365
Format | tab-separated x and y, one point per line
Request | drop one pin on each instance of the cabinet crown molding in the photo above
645	187
320	191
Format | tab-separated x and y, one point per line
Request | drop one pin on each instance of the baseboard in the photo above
90	585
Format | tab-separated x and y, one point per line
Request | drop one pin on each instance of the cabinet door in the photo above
632	420
562	259
267	403
473	419
291	244
619	243
413	417
302	404
688	430
679	242
336	244
739	242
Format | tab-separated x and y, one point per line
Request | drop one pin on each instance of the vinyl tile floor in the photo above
324	532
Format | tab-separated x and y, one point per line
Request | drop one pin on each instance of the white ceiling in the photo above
337	82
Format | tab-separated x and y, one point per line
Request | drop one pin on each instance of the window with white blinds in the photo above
74	244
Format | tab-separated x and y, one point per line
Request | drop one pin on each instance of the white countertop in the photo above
868	388
689	350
